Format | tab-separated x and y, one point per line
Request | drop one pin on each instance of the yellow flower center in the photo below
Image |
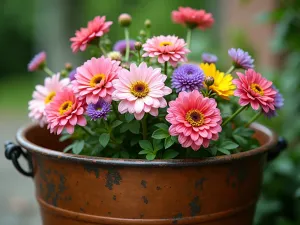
49	97
165	43
65	107
97	79
194	117
257	89
139	89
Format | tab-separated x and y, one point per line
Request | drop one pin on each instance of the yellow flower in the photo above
223	85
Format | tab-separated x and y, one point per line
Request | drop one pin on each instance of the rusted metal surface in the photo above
78	190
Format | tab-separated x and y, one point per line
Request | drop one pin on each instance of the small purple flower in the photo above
241	59
120	46
209	58
72	74
98	110
37	62
279	102
187	77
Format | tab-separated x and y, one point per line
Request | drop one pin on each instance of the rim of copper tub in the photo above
33	148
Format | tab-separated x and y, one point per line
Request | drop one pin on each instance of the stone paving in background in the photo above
17	201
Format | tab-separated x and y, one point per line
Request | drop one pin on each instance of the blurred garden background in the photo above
269	30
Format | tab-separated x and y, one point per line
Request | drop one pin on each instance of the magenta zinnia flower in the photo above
95	28
93	80
241	59
167	48
255	90
194	119
193	18
140	90
37	62
43	95
65	111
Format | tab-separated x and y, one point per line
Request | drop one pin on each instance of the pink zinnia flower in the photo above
141	90
93	80
65	111
193	18
37	62
95	28
254	89
194	119
166	48
43	95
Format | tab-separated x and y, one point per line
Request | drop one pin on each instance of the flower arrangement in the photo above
142	98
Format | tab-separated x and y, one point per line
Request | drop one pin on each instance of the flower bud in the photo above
115	55
125	65
64	73
138	46
107	43
125	20
68	66
147	23
209	81
143	33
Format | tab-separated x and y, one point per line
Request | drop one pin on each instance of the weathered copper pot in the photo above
79	190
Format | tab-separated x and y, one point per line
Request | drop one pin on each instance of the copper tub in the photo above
79	190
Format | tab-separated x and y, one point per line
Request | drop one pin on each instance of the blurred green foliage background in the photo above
30	26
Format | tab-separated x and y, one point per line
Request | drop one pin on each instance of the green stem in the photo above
144	127
234	115
255	117
101	48
48	71
139	57
127	44
188	37
115	109
166	68
88	131
230	70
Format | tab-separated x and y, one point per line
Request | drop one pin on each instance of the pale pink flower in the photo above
65	111
255	90
193	18
43	95
194	119
37	62
167	48
140	90
93	80
95	28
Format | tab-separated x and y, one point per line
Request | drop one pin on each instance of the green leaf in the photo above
124	128
160	134
169	141
134	141
116	155
213	150
144	152
243	131
162	126
228	145
150	156
78	147
100	130
134	127
64	137
68	148
104	139
116	123
224	151
240	140
170	154
145	144
124	155
157	145
128	117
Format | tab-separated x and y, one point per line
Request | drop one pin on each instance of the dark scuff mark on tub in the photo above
141	215
144	183
176	218
115	197
158	188
145	199
82	210
92	169
113	177
195	206
199	183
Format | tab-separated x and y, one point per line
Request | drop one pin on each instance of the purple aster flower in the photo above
209	58
98	110
187	77
279	102
37	62
120	46
72	74
241	59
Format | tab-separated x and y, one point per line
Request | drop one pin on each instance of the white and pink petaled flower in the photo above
167	49
141	90
93	80
43	95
